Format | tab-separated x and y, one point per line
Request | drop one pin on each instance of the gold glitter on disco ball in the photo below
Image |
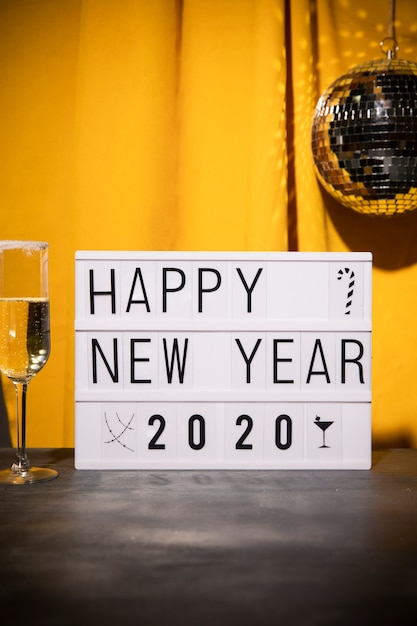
364	137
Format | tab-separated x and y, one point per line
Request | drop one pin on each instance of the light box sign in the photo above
203	360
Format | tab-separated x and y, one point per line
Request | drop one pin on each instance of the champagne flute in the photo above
24	338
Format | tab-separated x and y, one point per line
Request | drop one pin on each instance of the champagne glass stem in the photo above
21	464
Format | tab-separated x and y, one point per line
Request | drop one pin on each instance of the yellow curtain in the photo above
329	37
169	124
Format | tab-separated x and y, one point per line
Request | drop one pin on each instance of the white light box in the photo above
223	360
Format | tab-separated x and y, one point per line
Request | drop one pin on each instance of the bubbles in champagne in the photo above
24	337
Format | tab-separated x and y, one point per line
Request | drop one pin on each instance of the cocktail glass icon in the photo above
324	426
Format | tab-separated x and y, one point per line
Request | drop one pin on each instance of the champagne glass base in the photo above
33	475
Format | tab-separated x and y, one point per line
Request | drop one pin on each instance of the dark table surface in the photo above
311	548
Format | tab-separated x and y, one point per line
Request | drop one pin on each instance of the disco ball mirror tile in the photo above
364	137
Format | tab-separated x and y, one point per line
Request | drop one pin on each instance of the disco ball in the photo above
364	137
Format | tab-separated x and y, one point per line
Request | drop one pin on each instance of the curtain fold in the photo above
185	125
126	125
311	218
231	176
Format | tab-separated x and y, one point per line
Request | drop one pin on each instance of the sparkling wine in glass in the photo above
24	338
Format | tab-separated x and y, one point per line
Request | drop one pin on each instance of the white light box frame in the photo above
223	360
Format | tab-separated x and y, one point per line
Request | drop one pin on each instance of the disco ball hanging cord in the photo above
392	49
364	134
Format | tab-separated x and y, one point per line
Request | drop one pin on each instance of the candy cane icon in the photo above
350	274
